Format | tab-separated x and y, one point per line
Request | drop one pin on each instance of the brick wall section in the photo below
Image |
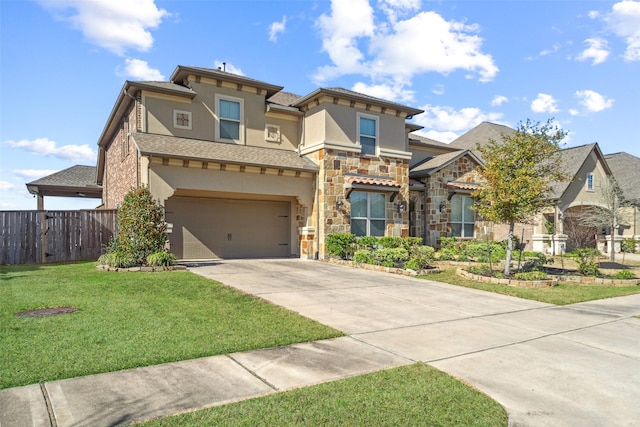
437	223
121	169
334	165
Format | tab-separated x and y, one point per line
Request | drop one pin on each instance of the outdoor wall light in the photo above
339	205
402	207
442	206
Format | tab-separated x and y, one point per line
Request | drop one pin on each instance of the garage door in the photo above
217	228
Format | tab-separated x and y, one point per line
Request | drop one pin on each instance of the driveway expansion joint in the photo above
255	374
47	402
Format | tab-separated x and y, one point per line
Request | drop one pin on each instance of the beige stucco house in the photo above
245	169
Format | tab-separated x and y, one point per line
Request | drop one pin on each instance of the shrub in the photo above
390	242
411	242
422	256
366	242
624	274
364	256
389	257
161	259
412	264
482	270
340	244
446	254
531	275
586	258
535	261
117	259
629	245
141	226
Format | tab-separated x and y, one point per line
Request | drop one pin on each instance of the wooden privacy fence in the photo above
36	237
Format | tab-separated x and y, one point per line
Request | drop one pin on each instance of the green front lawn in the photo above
125	320
416	395
560	295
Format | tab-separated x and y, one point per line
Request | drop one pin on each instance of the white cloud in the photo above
498	100
387	51
556	47
398	8
593	101
574	112
390	92
113	25
6	186
593	14
140	70
445	124
228	67
438	90
276	28
598	51
544	103
624	19
47	147
34	173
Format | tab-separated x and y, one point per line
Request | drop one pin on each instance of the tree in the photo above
517	174
141	226
609	214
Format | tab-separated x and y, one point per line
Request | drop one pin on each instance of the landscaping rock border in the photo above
508	282
384	269
591	281
142	269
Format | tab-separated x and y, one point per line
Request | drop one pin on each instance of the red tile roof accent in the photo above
371	181
462	185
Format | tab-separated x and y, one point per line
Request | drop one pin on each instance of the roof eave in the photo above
182	71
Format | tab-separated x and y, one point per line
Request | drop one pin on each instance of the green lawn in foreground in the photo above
560	295
415	395
125	320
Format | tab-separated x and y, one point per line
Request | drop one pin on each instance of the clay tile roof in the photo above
462	185
367	180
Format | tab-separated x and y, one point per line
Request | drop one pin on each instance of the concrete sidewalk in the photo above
136	395
548	365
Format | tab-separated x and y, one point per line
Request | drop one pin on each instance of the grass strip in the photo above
562	294
127	320
415	395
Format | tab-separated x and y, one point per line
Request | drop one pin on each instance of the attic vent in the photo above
272	133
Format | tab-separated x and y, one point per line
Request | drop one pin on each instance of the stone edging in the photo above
384	269
509	282
142	269
590	281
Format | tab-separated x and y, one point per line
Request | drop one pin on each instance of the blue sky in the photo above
63	63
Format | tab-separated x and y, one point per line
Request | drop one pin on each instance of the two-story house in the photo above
244	169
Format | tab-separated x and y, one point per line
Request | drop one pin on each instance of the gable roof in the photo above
430	166
571	161
76	181
181	72
481	134
355	96
419	140
625	169
220	152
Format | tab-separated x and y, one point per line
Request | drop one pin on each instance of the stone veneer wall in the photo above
416	214
121	170
334	165
437	223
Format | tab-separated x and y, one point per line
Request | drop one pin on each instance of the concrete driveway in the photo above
575	365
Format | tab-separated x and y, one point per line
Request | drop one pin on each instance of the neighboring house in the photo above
626	170
244	169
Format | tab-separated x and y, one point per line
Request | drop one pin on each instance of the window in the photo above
462	216
272	133
367	133
182	119
124	140
368	216
590	181
230	119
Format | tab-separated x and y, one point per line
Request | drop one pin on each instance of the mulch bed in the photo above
47	311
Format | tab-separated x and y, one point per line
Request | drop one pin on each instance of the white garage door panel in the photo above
215	228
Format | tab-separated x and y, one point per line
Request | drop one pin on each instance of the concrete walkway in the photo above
576	365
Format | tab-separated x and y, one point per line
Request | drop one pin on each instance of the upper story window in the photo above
368	213
368	133
463	217
230	119
590	182
182	119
